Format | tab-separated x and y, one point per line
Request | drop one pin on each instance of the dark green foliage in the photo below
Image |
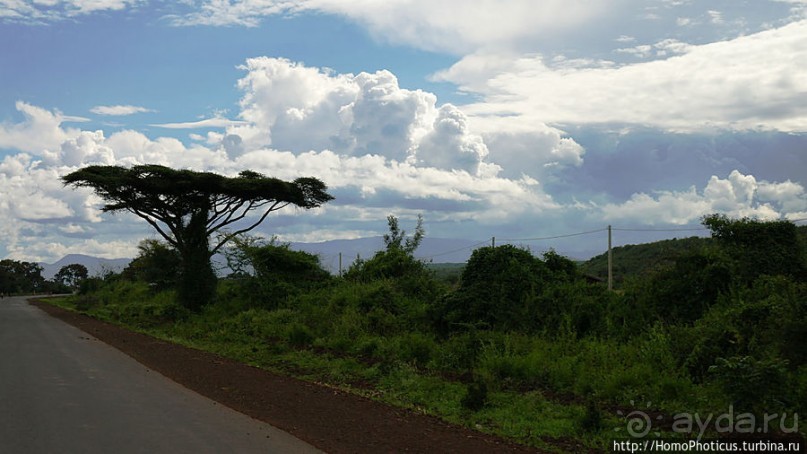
20	277
281	272
757	248
300	336
396	260
498	289
689	332
157	264
591	421
269	273
416	348
71	275
753	385
562	268
90	285
639	260
682	291
279	262
396	239
187	207
767	320
507	288
476	396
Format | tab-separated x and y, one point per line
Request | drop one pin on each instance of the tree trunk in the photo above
197	280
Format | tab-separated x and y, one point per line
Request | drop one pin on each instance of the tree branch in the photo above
230	236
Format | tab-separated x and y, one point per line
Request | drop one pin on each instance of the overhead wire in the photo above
690	229
554	237
455	250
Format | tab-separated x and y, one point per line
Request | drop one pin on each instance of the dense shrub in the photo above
267	274
396	263
756	248
498	289
157	264
766	320
754	385
507	288
683	291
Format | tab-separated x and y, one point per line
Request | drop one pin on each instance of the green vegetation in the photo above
519	345
25	278
641	260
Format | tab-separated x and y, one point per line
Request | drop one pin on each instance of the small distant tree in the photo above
397	239
71	275
188	207
397	259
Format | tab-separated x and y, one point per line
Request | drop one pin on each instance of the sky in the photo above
517	119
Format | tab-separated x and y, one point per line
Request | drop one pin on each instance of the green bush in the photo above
758	248
475	397
276	273
416	348
754	385
684	290
300	336
507	288
157	264
498	290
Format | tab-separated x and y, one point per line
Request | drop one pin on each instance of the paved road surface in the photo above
62	391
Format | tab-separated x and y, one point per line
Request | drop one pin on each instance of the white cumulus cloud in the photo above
738	195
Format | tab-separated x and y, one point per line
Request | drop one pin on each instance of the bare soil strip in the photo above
330	419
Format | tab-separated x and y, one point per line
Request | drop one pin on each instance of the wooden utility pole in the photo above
340	264
493	241
610	262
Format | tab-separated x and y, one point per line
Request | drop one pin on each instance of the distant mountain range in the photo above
438	250
95	266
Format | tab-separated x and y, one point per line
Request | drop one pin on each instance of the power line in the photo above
454	250
692	229
556	236
513	239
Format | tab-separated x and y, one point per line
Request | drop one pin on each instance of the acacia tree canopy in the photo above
172	197
187	207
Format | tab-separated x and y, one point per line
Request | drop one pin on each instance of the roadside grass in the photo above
537	389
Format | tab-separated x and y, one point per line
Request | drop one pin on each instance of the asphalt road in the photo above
62	391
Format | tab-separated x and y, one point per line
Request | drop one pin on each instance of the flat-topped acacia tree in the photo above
187	208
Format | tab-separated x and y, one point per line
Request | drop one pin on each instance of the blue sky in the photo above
515	119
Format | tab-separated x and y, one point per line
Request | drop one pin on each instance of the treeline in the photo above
718	322
25	278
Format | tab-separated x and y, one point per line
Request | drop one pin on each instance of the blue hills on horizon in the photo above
435	250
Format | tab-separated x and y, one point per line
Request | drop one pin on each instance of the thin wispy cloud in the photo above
47	11
119	110
215	122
